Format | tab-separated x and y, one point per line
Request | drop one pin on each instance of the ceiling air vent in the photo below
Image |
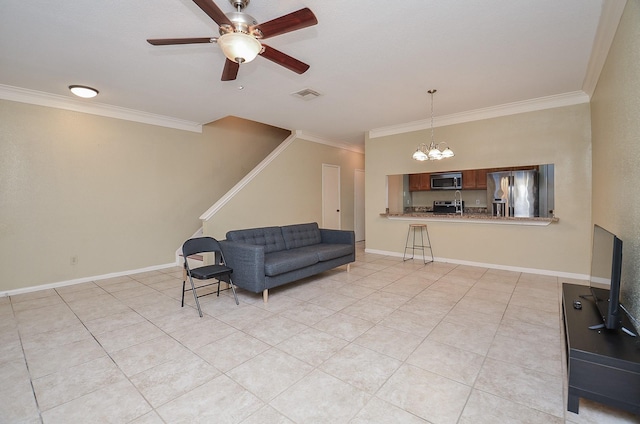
306	94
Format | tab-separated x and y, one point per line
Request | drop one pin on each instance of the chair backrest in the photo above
200	245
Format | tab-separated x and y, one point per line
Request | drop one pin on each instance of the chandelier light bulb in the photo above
239	47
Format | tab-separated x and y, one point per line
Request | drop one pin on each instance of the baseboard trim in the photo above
83	280
568	275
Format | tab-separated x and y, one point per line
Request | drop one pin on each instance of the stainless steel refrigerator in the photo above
513	193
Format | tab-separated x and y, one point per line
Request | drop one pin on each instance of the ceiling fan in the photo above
240	36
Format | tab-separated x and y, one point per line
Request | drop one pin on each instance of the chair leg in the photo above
195	296
233	289
184	281
406	244
424	254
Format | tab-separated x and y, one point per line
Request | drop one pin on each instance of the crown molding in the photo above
338	144
39	98
542	103
607	26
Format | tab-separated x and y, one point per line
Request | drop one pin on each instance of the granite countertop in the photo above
470	217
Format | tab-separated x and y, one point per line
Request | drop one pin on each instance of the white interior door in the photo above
330	196
358	205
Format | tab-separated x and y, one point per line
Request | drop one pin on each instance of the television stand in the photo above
601	326
603	366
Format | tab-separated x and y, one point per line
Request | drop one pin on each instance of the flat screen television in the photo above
606	267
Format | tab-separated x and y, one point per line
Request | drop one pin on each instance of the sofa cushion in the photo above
326	252
269	237
300	235
277	263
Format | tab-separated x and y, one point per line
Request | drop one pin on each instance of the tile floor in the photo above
388	342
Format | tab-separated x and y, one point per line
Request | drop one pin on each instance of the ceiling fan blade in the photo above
214	12
230	71
285	60
170	41
293	21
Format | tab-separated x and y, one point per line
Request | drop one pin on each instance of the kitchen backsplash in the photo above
426	209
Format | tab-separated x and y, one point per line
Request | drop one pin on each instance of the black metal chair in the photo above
219	270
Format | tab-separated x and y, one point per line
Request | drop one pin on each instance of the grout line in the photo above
368	259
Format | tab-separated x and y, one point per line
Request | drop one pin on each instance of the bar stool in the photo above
422	229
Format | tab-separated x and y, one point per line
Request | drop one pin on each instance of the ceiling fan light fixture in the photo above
83	91
239	47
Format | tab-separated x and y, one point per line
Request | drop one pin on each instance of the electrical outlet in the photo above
477	201
74	260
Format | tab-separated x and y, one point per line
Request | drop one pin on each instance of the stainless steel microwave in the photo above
448	181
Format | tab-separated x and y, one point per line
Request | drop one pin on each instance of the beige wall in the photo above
395	189
615	115
289	190
118	195
559	136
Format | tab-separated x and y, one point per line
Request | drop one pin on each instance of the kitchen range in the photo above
441	207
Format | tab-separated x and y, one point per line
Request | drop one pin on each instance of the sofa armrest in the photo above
338	236
247	261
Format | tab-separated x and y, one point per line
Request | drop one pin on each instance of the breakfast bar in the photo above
475	218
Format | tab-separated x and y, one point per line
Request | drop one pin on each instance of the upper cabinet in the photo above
414	182
472	179
481	178
469	179
419	182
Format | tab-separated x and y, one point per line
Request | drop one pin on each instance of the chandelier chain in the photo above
432	137
433	151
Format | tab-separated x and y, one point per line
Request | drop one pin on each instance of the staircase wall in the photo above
287	189
85	196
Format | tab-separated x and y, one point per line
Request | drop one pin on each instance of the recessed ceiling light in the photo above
83	91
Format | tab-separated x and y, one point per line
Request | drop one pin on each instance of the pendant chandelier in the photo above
434	151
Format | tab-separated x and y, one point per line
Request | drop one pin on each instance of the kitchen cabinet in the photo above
425	181
481	175
481	178
419	182
475	179
525	168
469	179
472	179
414	182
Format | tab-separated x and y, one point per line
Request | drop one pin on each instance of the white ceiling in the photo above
372	60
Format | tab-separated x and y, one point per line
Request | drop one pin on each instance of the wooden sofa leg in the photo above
348	267
265	295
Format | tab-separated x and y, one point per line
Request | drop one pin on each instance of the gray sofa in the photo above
268	257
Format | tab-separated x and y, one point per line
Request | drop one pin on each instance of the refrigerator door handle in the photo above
510	196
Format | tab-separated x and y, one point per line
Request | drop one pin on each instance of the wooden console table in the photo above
603	365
